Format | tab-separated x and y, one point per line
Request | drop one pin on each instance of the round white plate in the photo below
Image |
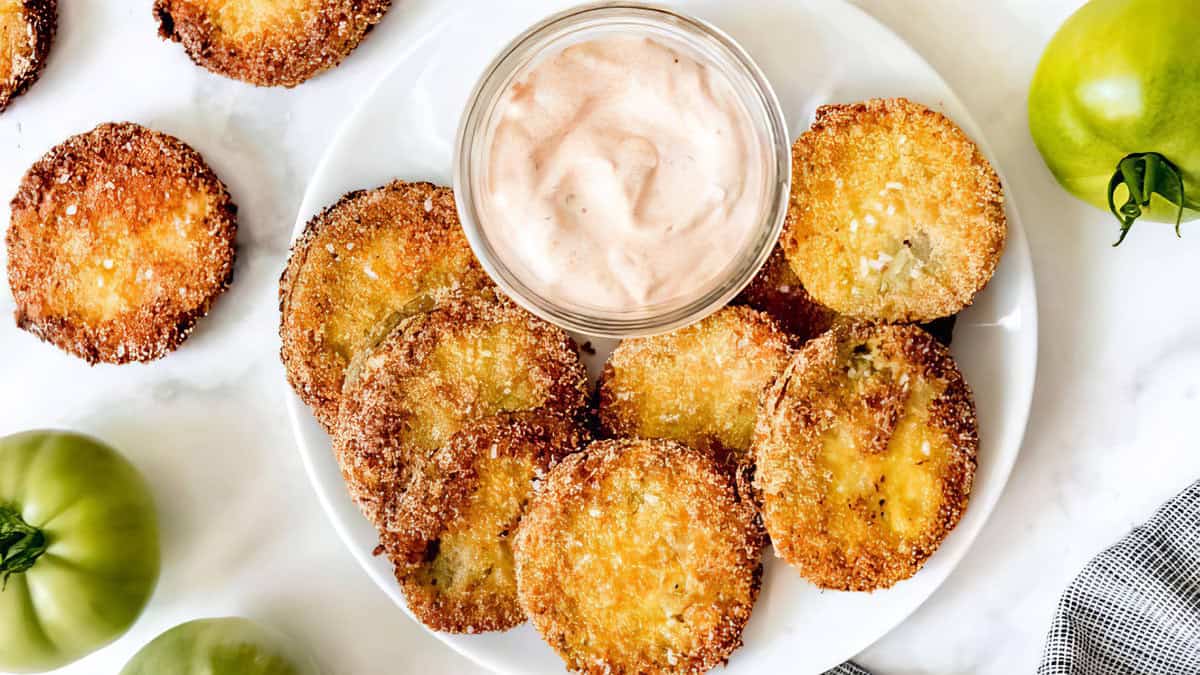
813	51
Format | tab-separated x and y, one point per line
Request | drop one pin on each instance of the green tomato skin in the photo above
1119	77
102	559
227	646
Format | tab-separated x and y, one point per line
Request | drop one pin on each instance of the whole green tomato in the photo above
79	552
228	646
1115	108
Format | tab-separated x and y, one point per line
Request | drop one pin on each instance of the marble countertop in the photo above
1109	437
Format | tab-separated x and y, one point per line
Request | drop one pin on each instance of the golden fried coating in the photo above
895	214
638	556
464	360
777	291
699	385
26	32
120	239
453	553
362	265
865	450
268	42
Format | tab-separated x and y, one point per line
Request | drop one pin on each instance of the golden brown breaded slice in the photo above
777	291
464	360
26	31
895	214
865	450
120	239
699	385
638	556
457	518
268	42
371	259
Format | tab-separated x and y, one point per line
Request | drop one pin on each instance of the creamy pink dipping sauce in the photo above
622	173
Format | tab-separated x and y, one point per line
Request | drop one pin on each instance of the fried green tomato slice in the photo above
699	385
778	292
268	42
638	556
121	238
26	32
453	553
865	450
464	360
895	214
362	265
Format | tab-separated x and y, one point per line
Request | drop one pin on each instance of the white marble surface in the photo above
1109	437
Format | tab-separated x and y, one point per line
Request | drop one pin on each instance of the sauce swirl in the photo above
622	173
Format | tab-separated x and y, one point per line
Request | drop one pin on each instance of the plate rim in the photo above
426	26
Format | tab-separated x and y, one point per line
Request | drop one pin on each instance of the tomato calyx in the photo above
21	544
1144	174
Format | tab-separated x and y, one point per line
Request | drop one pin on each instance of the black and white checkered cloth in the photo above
847	669
1135	608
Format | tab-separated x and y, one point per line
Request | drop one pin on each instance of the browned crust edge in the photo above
323	45
304	376
302	380
108	140
436	499
42	17
789	304
573	479
362	434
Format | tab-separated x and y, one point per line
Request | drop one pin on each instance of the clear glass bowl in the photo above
718	51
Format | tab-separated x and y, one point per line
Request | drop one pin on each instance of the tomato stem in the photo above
21	544
1144	174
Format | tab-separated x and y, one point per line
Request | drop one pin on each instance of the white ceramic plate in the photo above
813	51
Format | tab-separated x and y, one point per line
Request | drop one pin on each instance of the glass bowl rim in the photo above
742	267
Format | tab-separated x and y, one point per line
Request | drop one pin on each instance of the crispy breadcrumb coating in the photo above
268	43
464	360
120	239
865	450
638	556
895	214
363	264
699	385
453	549
777	291
27	30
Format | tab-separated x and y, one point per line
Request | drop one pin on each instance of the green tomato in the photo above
1115	108
79	550
228	646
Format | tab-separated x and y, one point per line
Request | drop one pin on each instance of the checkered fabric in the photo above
1135	608
847	669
